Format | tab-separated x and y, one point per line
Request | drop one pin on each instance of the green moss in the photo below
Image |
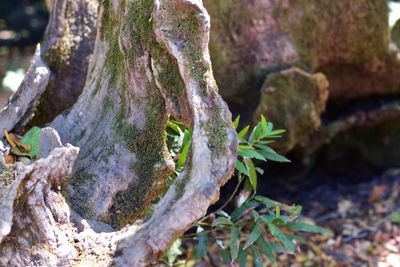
181	184
216	128
169	78
335	31
108	21
293	100
186	28
107	104
140	26
168	75
97	87
148	145
81	204
59	53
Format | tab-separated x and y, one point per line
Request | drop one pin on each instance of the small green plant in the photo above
258	225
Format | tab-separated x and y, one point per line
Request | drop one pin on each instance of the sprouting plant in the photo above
258	225
178	141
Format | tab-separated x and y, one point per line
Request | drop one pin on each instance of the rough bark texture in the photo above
21	106
67	46
149	62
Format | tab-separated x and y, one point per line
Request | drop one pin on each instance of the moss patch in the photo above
336	31
79	181
148	144
216	128
125	56
186	28
293	100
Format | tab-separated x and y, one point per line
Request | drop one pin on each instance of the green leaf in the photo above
263	123
183	156
270	154
278	220
255	215
270	127
250	153
266	249
243	132
226	256
247	185
255	134
276	133
200	249
238	211
235	242
236	122
173	126
173	252
252	172
395	217
241	168
257	257
187	137
282	237
254	235
32	138
221	222
298	226
277	248
242	146
295	211
268	202
297	237
242	257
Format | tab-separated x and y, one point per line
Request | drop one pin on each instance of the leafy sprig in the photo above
258	225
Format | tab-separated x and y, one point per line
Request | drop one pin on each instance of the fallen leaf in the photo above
9	159
26	146
376	193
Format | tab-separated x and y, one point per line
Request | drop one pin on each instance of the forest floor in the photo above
365	219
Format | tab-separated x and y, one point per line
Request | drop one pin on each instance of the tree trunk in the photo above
150	61
259	47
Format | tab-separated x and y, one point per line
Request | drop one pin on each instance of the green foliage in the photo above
395	217
32	138
255	147
258	225
178	141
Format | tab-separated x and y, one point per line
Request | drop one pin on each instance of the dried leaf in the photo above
376	193
9	159
18	146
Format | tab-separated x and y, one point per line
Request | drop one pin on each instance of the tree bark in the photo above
150	61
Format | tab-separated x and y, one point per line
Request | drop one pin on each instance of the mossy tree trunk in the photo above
150	61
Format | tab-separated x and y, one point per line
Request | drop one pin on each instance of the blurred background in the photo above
22	25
